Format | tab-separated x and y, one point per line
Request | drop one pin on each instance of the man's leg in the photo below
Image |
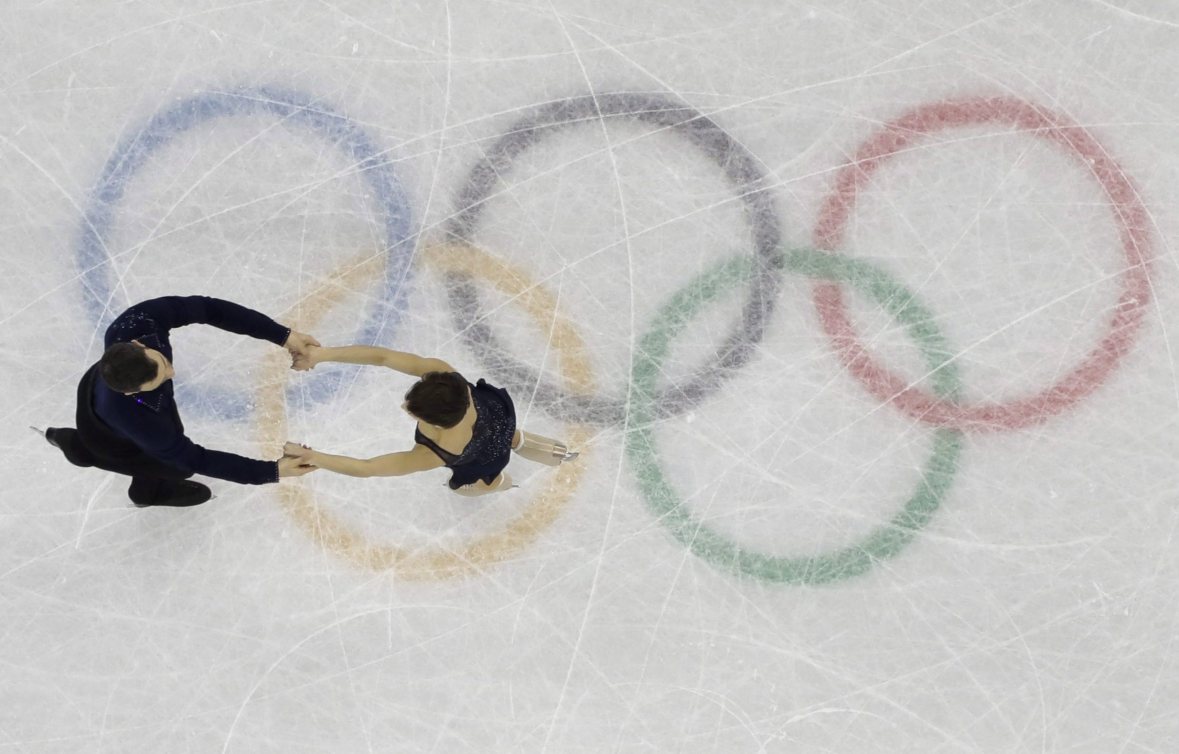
173	493
66	440
152	483
155	483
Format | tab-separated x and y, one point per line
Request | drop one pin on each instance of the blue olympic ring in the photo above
93	257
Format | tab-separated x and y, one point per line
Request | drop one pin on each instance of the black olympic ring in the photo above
735	161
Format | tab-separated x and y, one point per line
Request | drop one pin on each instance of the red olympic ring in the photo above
1129	213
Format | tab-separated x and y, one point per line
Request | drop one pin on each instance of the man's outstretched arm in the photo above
165	442
168	312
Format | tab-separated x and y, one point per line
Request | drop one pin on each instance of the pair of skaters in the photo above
128	423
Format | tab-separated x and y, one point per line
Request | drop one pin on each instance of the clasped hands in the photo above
300	345
296	459
302	348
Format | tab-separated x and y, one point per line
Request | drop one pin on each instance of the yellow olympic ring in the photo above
434	563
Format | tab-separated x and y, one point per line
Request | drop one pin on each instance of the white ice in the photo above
1036	610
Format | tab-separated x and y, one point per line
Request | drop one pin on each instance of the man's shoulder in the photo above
135	323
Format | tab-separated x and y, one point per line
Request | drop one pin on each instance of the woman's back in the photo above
446	439
484	435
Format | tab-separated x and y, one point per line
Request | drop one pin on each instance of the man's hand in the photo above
298	343
305	361
292	466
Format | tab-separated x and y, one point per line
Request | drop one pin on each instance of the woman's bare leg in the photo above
541	449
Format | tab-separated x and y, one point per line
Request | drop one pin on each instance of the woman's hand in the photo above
289	466
296	460
297	343
306	360
303	454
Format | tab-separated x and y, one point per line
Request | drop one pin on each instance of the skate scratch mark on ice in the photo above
614	495
282	658
142	29
107	480
1137	16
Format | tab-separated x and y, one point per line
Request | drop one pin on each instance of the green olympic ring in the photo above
884	541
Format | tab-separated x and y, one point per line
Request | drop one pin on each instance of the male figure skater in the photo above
127	418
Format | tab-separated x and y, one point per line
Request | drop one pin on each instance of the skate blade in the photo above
39	431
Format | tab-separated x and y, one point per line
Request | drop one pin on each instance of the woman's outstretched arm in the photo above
407	363
391	464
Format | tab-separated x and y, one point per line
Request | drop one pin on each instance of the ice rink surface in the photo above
862	315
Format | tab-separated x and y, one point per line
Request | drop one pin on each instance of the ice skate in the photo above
543	449
47	435
501	484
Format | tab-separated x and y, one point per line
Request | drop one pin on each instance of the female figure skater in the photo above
470	429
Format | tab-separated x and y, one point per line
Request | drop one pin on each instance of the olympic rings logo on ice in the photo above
463	264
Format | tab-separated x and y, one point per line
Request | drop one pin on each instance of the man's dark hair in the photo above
125	367
439	398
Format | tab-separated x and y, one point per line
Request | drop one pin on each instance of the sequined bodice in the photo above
491	436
